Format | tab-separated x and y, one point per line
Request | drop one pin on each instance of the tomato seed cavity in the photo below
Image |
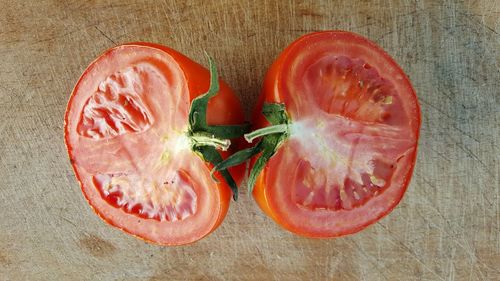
351	88
171	199
116	107
315	190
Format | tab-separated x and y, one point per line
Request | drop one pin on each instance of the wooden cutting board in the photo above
446	228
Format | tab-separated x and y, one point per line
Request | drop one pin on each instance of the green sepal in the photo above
270	144
239	157
198	110
210	154
271	140
275	113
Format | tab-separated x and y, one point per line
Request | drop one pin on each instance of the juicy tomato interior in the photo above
352	145
125	133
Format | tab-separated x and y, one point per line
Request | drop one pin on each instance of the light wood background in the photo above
446	228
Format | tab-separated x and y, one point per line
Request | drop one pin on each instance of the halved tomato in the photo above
129	139
349	135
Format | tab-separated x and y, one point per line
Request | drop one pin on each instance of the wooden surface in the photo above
446	228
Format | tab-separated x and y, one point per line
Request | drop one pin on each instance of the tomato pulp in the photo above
125	131
354	124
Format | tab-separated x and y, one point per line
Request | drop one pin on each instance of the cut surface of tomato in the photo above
354	127
125	130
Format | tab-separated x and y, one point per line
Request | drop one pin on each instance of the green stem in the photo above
204	140
281	128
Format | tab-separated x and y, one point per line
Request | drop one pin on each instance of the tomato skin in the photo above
273	92
224	108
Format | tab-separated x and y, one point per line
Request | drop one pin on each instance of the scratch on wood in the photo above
442	155
104	34
67	220
452	237
422	100
449	117
410	251
473	156
372	260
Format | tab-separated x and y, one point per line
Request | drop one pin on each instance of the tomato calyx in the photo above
206	139
271	139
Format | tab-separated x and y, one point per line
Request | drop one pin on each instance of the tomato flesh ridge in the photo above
164	198
353	89
116	107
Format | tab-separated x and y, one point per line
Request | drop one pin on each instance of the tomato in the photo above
125	131
352	136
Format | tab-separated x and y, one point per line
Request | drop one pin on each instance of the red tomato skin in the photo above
271	93
198	81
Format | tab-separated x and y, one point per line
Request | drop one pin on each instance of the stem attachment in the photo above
198	139
275	129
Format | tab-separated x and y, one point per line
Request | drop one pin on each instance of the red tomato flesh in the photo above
354	129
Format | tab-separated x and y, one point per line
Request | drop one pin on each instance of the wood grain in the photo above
446	228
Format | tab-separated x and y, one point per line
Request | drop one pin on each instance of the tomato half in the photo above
354	127
125	131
